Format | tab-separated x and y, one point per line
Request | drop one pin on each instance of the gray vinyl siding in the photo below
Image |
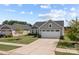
45	26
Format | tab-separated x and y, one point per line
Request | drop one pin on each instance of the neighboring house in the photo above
5	29
49	29
15	29
20	29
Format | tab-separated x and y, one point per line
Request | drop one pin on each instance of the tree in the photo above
5	22
73	33
11	22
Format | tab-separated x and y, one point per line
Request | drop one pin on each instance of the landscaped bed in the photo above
22	39
66	43
7	47
63	44
63	53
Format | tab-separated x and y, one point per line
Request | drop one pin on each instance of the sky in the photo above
32	13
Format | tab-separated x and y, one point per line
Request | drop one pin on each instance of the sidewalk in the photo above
14	44
67	50
3	53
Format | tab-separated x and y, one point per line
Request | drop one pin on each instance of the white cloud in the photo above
31	12
23	12
65	8
20	5
73	14
45	6
35	4
72	9
54	14
63	4
10	10
6	4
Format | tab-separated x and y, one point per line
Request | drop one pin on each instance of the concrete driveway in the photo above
39	47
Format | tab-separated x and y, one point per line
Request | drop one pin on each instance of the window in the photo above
57	30
43	30
48	30
52	30
50	25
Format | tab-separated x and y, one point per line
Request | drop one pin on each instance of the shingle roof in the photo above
60	23
19	26
5	25
38	24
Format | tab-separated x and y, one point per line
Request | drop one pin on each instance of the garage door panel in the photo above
50	34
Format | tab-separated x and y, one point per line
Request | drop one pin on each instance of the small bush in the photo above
72	36
30	34
8	36
17	39
39	36
62	37
35	35
1	36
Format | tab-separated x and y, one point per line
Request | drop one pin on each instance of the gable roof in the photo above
5	25
60	23
38	24
19	26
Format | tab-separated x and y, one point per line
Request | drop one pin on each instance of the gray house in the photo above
49	29
15	29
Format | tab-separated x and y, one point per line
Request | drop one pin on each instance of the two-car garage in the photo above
50	33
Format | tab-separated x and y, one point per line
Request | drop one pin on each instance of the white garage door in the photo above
50	33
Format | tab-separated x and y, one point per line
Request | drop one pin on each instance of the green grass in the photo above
7	47
65	43
22	39
63	53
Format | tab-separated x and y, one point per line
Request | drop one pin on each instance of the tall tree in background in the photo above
5	22
11	22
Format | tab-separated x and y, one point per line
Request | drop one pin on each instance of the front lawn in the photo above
21	39
7	47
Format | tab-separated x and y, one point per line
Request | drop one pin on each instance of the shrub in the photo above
39	36
35	35
62	37
8	35
17	38
72	36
